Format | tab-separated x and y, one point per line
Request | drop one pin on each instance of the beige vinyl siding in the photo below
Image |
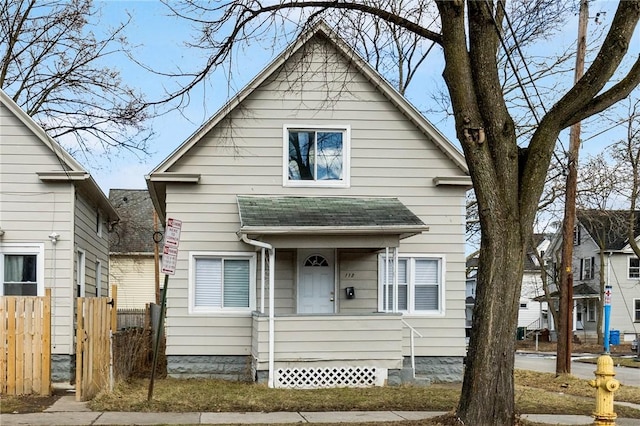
389	157
30	210
332	338
135	278
96	247
208	334
358	270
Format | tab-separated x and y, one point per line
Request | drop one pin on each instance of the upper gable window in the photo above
316	156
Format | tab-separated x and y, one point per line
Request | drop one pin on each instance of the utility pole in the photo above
563	358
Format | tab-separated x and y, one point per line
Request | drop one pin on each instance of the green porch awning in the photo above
260	215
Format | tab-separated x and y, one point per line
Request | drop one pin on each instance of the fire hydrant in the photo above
605	385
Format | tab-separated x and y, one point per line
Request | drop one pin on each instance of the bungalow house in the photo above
603	256
133	268
322	239
54	225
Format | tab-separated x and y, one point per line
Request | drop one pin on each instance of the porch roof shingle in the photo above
345	214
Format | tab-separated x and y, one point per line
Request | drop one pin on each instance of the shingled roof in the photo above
608	226
134	232
333	214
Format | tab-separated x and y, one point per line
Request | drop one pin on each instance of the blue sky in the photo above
158	41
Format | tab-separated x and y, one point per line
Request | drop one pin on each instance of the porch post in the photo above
262	269
387	289
272	263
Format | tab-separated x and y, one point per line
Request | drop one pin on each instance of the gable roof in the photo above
608	227
159	176
71	171
135	231
279	214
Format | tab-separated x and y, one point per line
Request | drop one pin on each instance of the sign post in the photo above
607	316
169	260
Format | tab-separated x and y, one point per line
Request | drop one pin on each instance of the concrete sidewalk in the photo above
67	411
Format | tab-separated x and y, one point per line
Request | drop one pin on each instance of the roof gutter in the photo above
272	260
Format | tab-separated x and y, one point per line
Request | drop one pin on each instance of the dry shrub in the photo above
133	354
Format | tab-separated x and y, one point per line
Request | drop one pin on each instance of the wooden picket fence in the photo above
25	357
96	321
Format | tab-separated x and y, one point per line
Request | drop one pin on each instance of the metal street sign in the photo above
171	242
607	295
172	232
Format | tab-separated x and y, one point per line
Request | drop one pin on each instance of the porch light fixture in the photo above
1	231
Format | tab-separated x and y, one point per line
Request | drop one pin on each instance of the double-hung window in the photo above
636	310
222	282
587	268
420	287
22	270
316	156
634	268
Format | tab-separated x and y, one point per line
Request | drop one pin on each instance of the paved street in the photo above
547	363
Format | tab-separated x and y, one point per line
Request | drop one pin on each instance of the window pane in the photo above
20	289
427	285
208	286
329	156
634	268
20	268
236	283
403	292
301	155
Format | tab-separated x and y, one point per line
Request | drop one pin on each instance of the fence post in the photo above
46	344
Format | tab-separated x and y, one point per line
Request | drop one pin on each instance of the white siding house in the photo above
54	222
291	199
603	256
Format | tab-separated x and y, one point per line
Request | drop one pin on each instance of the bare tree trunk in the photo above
489	364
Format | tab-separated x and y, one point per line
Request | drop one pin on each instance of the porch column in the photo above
272	266
262	276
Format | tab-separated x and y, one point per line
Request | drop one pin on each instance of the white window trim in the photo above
346	159
591	313
411	290
98	273
251	256
26	249
629	268
635	311
81	272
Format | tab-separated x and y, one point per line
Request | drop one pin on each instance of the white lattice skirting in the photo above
332	377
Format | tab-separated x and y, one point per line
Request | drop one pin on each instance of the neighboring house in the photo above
54	222
291	199
600	238
132	264
532	313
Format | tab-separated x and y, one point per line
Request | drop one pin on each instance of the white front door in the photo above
316	288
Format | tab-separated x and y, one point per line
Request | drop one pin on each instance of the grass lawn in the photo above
535	393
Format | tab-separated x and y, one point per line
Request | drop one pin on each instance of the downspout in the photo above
269	247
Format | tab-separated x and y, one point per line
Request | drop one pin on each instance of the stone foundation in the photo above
63	368
438	369
225	367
